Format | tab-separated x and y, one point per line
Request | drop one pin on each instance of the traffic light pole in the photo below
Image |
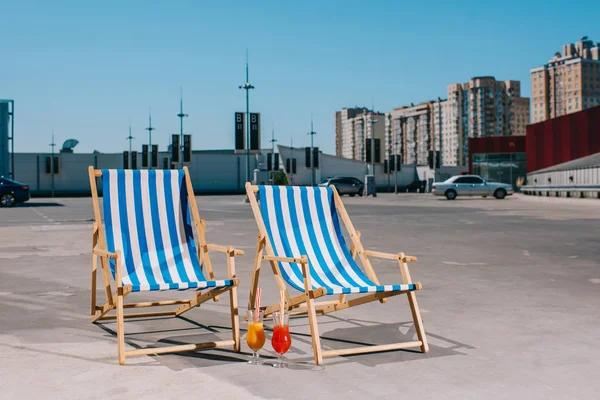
312	134
150	129
52	163
181	115
247	87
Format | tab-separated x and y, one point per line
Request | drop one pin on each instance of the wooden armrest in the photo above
104	253
390	256
297	260
225	249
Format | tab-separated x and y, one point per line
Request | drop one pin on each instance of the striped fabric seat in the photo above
303	221
147	219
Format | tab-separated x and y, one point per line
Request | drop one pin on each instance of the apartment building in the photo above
570	82
353	127
483	107
413	131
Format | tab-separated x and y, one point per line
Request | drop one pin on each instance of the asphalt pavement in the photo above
510	299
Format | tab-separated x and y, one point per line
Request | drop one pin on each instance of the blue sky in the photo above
85	68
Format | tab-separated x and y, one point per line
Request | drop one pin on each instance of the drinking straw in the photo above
281	302
257	304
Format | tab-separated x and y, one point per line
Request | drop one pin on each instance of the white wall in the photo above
211	172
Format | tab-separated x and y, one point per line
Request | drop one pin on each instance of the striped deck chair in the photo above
147	244
301	236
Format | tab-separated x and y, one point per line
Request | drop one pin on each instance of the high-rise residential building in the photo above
353	127
570	81
482	107
414	131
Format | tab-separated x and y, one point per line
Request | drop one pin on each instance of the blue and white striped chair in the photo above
301	236
147	244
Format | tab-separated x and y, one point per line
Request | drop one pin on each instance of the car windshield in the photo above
324	180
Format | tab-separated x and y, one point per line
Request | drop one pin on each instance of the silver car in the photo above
470	185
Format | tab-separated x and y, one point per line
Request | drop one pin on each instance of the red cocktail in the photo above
281	340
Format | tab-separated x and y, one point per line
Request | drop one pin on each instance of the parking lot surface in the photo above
510	300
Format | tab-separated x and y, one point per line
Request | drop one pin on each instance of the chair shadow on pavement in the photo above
209	333
362	333
369	333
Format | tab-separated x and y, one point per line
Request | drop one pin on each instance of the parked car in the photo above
345	185
12	192
471	185
417	186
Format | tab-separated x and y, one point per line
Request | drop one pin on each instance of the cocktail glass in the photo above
281	339
255	337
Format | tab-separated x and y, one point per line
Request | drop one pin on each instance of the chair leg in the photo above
120	327
235	320
314	329
416	313
93	293
256	272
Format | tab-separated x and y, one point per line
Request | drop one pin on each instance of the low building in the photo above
563	139
563	155
576	178
499	159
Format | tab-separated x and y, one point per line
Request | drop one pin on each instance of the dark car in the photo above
417	186
345	185
12	192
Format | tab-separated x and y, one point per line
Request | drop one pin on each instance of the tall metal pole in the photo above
441	137
150	129
181	115
12	139
396	165
130	138
273	140
389	161
52	162
247	86
312	134
372	122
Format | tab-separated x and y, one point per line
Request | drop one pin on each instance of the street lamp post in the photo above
511	146
372	121
273	140
389	167
150	129
247	87
52	163
130	138
291	171
312	134
181	115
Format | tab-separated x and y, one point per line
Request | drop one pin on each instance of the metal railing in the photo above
556	190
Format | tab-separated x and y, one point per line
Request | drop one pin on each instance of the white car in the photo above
471	185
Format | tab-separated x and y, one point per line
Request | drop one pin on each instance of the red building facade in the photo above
563	139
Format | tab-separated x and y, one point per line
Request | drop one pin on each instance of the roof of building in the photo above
590	161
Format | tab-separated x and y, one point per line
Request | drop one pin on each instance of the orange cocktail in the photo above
255	337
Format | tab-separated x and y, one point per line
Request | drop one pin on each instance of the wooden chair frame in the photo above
306	304
99	313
